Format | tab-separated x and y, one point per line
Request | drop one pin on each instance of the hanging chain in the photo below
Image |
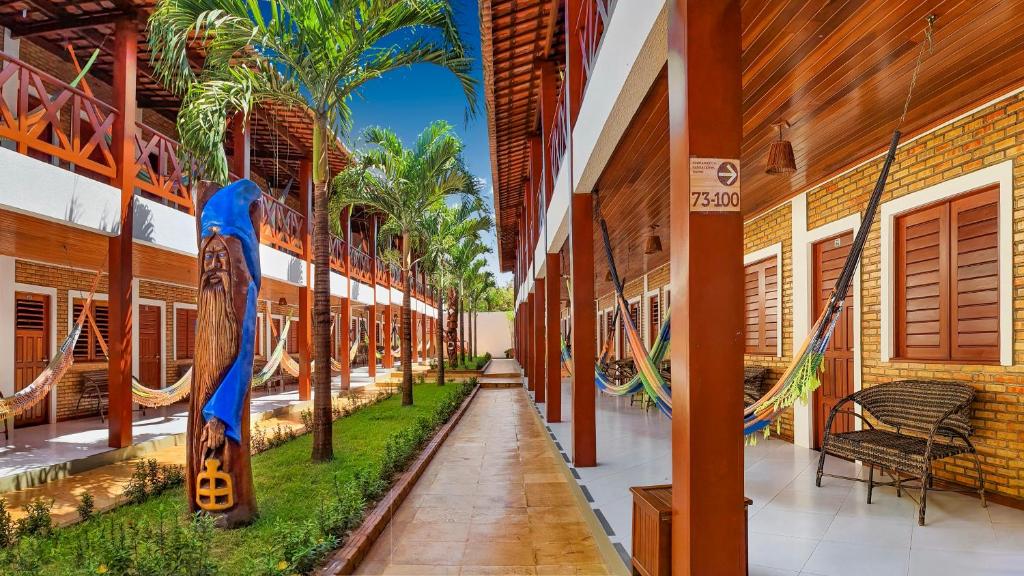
926	46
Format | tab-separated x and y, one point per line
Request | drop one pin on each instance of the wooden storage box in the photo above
652	529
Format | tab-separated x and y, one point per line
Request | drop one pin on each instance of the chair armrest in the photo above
851	399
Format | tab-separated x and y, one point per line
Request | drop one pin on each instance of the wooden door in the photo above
31	350
837	368
150	337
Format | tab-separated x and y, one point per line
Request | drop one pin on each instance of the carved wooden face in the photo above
216	264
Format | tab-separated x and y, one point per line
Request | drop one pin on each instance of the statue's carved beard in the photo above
216	338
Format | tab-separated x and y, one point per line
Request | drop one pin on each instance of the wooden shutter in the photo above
947	280
259	336
293	337
761	309
82	345
101	312
922	286
654	323
974	277
185	333
30	312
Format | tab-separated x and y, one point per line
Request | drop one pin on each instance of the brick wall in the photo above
766	230
989	136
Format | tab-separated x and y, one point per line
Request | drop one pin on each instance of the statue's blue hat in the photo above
227	213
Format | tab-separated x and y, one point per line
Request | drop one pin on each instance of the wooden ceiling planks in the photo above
838	72
516	35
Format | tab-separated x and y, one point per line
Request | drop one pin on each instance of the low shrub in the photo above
86	507
7	529
150	479
37	520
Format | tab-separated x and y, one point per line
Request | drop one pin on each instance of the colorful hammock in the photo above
26	398
157	397
291	366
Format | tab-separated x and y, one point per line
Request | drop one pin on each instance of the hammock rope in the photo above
29	396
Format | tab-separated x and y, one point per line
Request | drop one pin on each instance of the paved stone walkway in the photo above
493	501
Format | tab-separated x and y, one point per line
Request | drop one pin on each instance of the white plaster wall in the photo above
633	51
361	293
382	294
339	285
280	266
396	296
55	194
494	333
164	227
558	210
7	323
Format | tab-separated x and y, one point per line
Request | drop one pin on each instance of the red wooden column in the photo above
705	96
371	310
530	319
584	339
346	302
389	362
553	366
538	341
240	164
119	367
305	325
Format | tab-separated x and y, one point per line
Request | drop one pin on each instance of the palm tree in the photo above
313	55
405	184
463	258
446	229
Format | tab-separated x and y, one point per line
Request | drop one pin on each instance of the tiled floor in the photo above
492	501
49	444
795	527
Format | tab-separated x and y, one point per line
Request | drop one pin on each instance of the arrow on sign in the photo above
727	173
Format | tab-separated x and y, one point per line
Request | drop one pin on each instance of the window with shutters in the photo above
30	313
609	333
761	306
88	348
634	316
947	280
259	336
654	320
293	337
185	333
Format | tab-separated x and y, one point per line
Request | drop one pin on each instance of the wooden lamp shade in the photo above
653	243
781	159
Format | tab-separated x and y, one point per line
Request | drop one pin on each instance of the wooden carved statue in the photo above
219	475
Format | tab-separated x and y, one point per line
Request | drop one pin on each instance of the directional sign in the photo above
714	185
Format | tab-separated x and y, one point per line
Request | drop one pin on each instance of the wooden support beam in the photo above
553	408
346	302
241	162
584	322
529	319
304	330
539	388
371	324
389	361
122	277
68	23
705	121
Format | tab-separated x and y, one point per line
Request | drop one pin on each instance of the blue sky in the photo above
407	100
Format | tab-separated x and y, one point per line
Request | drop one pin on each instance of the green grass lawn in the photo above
289	488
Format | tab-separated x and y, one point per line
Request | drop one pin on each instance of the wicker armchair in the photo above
939	414
755	384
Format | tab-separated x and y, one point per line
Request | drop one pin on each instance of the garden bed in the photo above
307	509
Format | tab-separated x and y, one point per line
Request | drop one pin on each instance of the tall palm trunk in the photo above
469	329
459	310
406	326
476	333
323	448
440	338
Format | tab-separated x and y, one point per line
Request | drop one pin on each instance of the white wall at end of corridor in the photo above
495	333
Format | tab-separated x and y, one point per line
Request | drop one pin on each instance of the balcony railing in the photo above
283	228
558	138
161	173
396	277
338	250
382	276
361	265
593	22
53	122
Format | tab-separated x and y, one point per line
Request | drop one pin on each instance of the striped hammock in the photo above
28	397
157	397
291	366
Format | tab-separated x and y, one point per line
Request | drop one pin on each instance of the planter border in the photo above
346	559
